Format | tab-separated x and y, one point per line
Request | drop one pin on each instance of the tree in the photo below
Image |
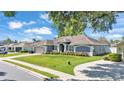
8	40
9	13
122	38
15	41
35	40
112	41
75	22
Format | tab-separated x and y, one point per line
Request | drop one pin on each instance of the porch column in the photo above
58	47
22	48
45	49
91	51
64	47
14	48
123	53
75	48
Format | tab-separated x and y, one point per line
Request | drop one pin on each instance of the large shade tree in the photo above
75	22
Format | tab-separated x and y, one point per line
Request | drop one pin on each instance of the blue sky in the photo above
27	25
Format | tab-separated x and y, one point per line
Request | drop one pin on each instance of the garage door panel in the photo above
39	49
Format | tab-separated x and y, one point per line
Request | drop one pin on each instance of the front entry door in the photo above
61	48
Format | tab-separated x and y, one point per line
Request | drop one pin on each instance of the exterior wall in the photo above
120	50
85	49
49	48
17	49
82	49
28	48
113	49
101	49
40	49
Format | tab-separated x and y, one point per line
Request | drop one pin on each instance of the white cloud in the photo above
18	24
114	36
45	17
38	37
29	23
117	31
42	30
15	25
56	36
95	35
27	40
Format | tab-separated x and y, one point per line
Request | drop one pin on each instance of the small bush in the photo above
10	51
106	58
23	51
113	57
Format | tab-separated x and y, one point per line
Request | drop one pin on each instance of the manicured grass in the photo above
58	62
13	54
32	69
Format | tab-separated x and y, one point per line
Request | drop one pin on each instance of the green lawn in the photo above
8	55
33	69
58	62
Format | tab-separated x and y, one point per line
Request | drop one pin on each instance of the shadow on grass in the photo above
7	80
2	73
113	71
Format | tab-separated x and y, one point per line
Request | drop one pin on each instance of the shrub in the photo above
23	51
10	51
68	53
113	57
106	58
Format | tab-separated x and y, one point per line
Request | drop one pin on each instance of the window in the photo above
82	49
55	47
71	48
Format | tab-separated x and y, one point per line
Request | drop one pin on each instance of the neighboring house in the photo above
120	49
22	46
16	47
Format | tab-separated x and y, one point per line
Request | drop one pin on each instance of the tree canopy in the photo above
9	13
75	22
8	40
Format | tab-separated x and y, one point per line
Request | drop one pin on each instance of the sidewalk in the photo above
61	75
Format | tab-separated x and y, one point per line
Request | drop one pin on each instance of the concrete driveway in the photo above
100	70
13	73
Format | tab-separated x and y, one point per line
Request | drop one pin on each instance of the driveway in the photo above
100	70
13	73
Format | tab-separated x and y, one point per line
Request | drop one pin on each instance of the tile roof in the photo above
78	40
45	42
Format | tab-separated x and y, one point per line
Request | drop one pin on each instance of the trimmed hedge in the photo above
11	51
23	51
69	53
113	57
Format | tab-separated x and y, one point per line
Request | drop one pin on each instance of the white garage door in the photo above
39	49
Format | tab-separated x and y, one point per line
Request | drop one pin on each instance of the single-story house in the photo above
16	47
79	43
